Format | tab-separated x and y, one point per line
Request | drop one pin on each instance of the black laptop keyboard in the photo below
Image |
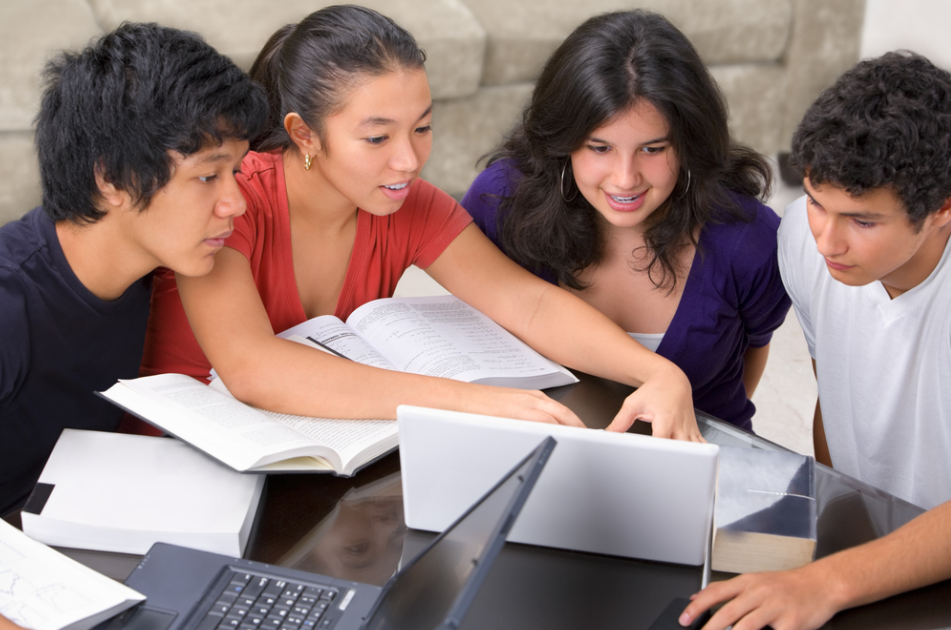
255	602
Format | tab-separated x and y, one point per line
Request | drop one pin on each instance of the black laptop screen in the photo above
442	581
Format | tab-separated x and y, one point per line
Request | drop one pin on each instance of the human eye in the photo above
599	148
376	140
864	224
424	129
205	179
812	202
653	150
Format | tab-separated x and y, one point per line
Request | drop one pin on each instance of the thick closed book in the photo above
42	589
123	493
765	516
249	439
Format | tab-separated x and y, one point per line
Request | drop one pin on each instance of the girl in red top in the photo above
336	213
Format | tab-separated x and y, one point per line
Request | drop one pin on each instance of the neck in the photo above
99	257
924	262
311	198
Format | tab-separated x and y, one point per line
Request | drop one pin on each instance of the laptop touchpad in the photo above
149	619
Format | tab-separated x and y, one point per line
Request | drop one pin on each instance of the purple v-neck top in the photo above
733	298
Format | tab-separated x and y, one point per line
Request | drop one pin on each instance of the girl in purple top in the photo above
622	185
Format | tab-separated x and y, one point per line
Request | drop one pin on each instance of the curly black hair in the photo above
606	66
120	105
886	123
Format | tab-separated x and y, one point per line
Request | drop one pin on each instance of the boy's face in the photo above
188	220
869	237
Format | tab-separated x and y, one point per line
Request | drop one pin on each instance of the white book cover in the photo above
122	493
42	589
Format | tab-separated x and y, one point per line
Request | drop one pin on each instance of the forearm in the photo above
288	377
6	624
754	364
549	319
570	331
915	555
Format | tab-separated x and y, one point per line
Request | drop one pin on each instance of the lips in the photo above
396	192
838	266
218	241
625	202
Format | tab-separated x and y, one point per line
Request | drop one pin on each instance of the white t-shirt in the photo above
883	365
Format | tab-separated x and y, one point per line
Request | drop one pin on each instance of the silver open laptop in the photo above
621	494
187	589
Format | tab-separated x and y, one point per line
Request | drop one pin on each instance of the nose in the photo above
828	235
405	157
626	174
231	204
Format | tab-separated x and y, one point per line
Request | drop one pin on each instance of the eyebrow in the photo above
852	215
379	121
643	144
214	157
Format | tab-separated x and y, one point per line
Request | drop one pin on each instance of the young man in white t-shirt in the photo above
864	259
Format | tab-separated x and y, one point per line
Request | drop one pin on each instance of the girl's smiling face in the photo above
374	147
627	168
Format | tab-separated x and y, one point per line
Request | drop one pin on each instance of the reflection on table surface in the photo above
353	528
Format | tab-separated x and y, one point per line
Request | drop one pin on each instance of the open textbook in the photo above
42	589
250	439
434	336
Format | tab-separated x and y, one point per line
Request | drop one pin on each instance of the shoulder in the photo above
261	178
262	184
19	244
498	180
426	209
797	248
22	239
257	164
482	200
751	241
425	198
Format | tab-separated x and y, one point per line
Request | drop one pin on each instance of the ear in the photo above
112	196
301	135
943	216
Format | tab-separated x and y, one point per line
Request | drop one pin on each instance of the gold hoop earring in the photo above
307	161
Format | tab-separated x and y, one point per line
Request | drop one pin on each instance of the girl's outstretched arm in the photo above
566	329
229	320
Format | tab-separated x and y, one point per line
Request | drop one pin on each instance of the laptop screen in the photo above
440	583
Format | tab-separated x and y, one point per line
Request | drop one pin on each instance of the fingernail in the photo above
684	620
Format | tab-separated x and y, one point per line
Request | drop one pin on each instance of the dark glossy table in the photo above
353	528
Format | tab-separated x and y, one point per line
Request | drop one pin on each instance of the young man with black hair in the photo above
864	256
139	137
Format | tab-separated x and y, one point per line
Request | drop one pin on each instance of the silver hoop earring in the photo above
561	185
686	188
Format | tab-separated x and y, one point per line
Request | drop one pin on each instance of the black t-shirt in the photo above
59	344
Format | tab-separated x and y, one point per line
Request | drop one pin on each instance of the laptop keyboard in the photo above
255	602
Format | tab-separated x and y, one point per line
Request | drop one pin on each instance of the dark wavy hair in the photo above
309	67
601	70
119	106
886	123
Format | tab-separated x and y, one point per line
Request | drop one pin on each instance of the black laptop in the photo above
187	589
